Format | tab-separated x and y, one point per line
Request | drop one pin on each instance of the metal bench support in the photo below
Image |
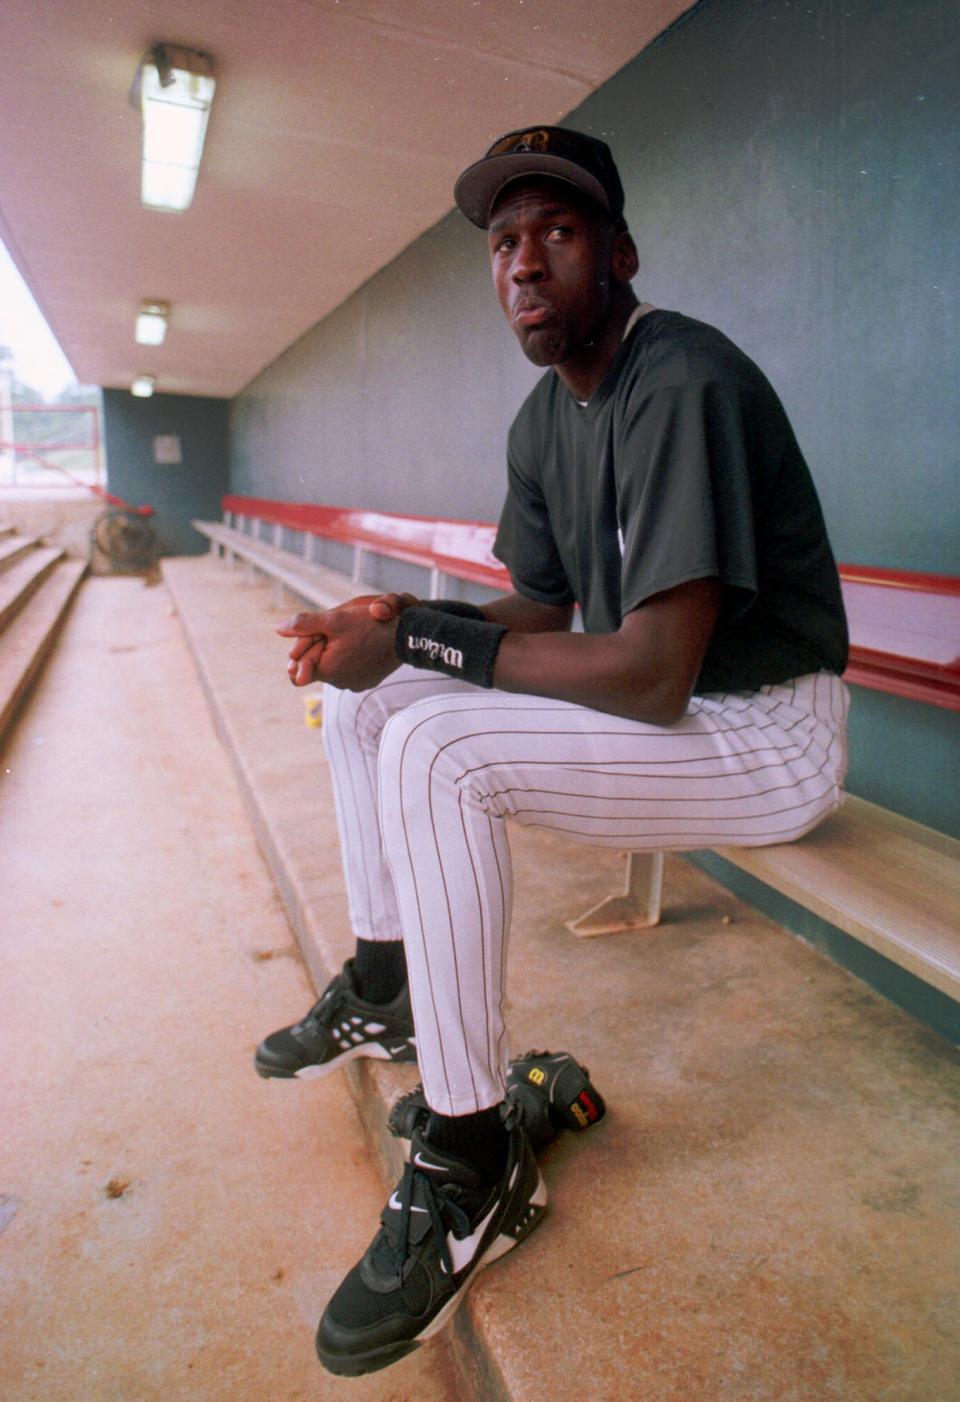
637	908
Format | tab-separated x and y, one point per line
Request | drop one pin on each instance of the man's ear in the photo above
624	259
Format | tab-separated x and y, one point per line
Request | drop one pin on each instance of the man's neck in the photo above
583	372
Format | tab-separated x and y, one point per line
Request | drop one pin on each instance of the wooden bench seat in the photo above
888	882
891	883
315	583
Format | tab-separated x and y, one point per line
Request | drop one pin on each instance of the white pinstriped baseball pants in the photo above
426	769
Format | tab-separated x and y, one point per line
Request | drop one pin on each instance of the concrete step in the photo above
14	547
25	642
19	580
764	1212
134	910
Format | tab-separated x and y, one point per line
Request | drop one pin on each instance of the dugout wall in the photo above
791	175
170	452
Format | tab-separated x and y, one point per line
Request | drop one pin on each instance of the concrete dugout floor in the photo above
144	952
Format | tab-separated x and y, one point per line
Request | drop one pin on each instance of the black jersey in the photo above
682	466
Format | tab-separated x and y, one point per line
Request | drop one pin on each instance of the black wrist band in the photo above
446	642
454	607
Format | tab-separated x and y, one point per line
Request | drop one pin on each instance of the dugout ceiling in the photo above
337	132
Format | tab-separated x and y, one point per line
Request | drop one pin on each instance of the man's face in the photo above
551	259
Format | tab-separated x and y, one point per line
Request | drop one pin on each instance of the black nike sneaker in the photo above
338	1028
551	1090
441	1225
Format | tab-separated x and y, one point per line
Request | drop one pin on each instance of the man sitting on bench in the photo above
655	482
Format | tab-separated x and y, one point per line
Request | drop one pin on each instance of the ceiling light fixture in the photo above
143	386
174	88
151	324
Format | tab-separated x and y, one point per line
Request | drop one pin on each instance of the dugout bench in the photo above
890	883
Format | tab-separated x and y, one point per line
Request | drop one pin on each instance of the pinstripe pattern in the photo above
426	770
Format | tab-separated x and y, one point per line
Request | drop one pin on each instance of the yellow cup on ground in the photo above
313	710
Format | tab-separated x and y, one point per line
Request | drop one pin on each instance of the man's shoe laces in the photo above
438	1197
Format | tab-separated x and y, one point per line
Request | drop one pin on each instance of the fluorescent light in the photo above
143	386
151	324
176	90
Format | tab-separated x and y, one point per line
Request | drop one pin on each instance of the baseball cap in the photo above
558	152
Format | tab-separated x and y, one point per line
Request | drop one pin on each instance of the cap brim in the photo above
480	184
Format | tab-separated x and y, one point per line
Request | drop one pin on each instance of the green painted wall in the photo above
792	177
180	492
905	755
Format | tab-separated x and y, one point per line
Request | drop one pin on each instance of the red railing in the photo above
904	626
904	633
458	548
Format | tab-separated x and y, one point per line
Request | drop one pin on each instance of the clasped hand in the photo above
351	646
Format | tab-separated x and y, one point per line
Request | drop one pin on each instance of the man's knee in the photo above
432	743
411	737
367	717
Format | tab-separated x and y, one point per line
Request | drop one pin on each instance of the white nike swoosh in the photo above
425	1163
397	1205
462	1251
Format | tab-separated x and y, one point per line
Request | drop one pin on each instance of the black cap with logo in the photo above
557	152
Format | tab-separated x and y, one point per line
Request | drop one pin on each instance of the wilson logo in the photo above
437	652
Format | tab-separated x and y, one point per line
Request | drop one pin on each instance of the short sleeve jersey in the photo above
682	466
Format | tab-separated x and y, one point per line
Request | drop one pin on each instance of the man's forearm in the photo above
522	615
593	670
645	671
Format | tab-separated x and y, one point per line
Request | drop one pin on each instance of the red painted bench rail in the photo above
904	627
458	548
904	633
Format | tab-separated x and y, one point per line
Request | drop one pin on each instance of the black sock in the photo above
379	970
479	1138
